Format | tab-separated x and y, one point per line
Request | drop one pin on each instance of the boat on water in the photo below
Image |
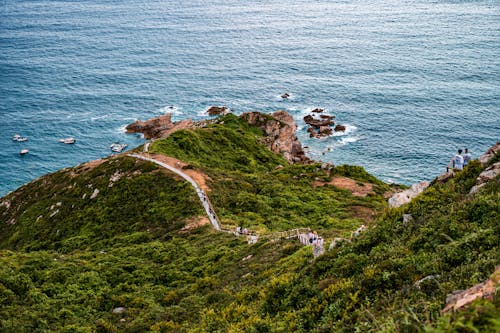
118	147
24	152
67	141
19	138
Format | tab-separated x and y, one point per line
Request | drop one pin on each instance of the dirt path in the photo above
199	177
177	169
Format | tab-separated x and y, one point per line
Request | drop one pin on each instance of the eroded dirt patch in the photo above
358	189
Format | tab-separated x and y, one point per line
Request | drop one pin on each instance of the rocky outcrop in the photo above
158	127
490	153
461	298
217	110
339	128
489	174
317	123
401	198
280	134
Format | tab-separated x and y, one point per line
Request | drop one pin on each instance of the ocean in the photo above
413	80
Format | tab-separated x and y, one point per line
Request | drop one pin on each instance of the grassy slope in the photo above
247	189
124	248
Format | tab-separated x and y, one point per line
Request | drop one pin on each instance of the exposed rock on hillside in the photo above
461	298
405	196
280	131
486	176
158	127
486	157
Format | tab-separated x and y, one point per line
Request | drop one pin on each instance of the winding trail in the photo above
214	220
302	234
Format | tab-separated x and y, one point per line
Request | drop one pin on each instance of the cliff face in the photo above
158	127
280	134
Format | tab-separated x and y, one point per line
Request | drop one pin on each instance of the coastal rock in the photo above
158	127
460	299
318	110
339	128
280	134
325	131
217	110
405	196
485	177
490	153
317	123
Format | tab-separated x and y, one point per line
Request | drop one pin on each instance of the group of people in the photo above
314	239
241	231
459	161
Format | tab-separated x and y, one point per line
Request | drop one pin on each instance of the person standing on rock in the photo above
467	157
458	161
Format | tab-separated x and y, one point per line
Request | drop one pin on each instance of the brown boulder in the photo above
325	130
280	134
317	123
152	127
339	128
462	298
217	110
159	127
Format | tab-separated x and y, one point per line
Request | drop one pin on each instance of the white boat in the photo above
19	138
118	147
67	141
24	152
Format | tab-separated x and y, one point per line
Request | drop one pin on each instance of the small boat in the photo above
67	141
118	147
24	152
19	138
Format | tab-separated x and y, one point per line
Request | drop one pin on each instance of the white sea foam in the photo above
174	110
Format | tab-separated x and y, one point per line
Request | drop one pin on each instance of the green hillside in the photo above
104	247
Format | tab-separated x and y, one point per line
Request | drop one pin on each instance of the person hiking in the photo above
467	157
458	161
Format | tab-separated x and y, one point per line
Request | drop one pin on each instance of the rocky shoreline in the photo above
279	128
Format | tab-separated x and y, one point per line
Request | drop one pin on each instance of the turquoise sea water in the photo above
413	80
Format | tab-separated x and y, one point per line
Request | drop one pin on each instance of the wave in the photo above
174	110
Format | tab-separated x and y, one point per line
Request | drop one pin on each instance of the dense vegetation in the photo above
249	187
69	260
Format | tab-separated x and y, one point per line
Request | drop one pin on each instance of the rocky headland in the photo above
279	128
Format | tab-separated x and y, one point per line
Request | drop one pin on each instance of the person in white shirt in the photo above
467	157
458	161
